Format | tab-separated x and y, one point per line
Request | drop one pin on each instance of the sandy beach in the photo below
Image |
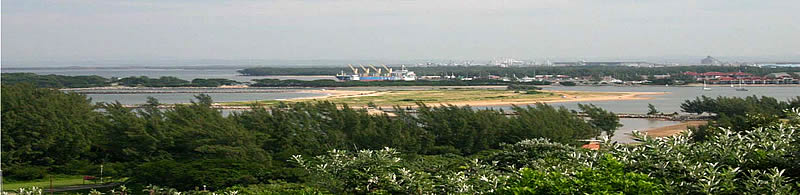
673	129
616	96
359	97
333	94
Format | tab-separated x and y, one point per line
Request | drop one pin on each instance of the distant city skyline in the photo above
687	60
182	32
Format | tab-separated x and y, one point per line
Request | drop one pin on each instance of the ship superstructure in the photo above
371	73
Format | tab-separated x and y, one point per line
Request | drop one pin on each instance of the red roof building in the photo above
591	146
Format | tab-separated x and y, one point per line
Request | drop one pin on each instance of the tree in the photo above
601	119
652	109
130	138
46	126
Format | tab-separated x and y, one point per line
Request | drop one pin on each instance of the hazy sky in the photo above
381	29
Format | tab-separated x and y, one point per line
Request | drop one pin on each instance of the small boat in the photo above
704	86
741	88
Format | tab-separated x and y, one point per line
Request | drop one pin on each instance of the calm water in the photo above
622	134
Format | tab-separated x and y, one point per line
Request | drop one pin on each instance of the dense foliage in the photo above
322	147
519	87
620	72
739	113
762	160
57	131
173	82
738	106
54	81
61	81
44	127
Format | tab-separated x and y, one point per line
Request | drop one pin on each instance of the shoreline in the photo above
736	85
671	130
624	97
557	96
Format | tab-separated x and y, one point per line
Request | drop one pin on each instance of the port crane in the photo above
376	69
355	70
366	70
388	70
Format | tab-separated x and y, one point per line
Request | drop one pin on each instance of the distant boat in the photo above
704	86
741	88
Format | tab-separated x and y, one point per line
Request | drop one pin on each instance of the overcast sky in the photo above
380	29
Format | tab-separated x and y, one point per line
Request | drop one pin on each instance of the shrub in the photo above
213	173
364	171
77	167
27	173
607	177
568	83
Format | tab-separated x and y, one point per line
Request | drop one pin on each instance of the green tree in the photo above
46	126
129	137
652	109
601	119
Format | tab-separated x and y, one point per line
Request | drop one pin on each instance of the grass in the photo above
410	97
58	181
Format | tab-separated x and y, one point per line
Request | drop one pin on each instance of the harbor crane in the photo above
366	70
388	70
355	70
376	69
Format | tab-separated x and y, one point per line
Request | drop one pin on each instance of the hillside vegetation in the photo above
322	148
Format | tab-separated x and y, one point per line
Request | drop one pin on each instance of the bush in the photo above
27	173
77	167
567	83
608	176
213	173
533	92
275	188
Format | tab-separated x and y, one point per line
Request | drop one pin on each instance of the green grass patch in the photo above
58	181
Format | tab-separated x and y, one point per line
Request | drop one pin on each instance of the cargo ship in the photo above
378	75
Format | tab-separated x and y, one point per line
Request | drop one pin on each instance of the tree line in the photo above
62	81
738	113
334	83
596	72
55	81
48	131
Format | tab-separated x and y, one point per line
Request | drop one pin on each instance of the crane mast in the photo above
376	69
388	70
366	70
355	70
